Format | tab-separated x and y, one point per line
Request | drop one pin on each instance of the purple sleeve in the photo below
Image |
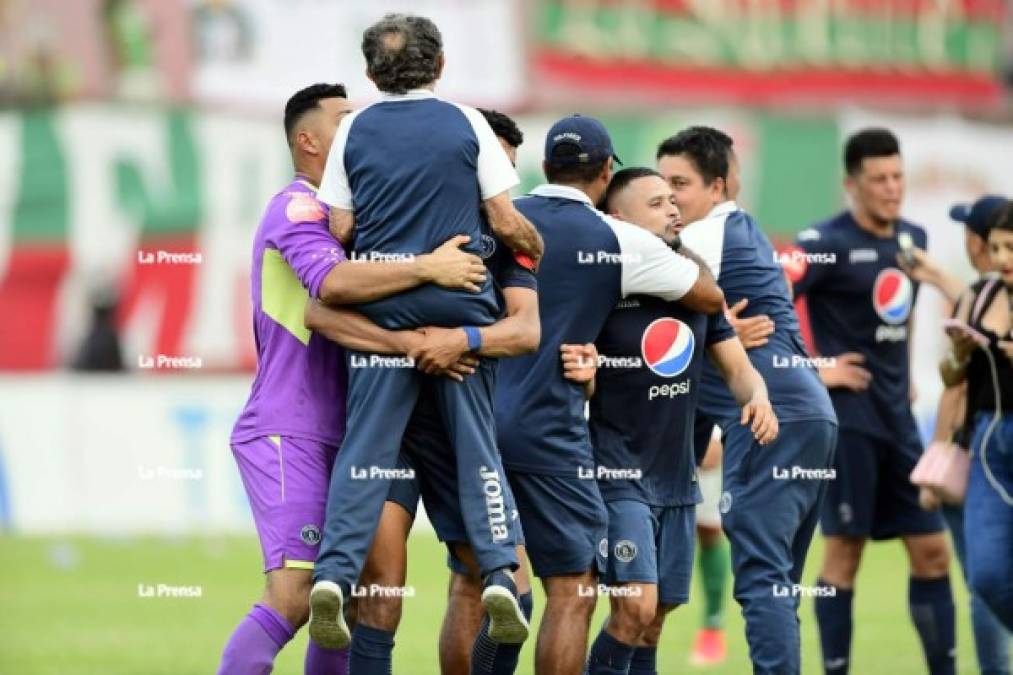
307	245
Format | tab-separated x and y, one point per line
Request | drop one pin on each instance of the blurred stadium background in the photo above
130	127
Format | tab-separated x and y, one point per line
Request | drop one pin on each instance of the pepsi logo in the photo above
667	346
891	296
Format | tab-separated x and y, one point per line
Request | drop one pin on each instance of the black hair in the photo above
402	52
873	142
622	178
503	127
571	172
707	148
307	99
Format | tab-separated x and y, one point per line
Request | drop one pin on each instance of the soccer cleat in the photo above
327	618
709	648
507	624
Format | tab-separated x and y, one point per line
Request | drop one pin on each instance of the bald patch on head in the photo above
393	41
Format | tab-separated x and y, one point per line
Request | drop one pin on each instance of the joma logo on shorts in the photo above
494	505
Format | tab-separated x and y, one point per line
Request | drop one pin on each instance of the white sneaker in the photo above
327	618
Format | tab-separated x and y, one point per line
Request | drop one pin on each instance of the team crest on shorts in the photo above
625	551
603	548
725	505
310	535
845	513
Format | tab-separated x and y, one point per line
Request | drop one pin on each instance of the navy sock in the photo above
371	651
833	614
494	658
645	661
931	604
609	656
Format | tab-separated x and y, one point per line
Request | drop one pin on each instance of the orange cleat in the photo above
709	648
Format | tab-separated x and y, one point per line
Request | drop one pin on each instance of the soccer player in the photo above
860	302
642	424
592	262
771	495
404	174
284	454
426	450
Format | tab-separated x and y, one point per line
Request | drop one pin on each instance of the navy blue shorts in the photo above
427	452
872	495
651	545
564	521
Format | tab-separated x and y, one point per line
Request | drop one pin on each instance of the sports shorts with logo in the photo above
286	480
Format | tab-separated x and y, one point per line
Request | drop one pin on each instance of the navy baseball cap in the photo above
977	216
586	134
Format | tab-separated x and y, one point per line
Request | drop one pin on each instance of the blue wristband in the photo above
474	337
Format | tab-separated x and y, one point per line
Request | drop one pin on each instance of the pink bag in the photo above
943	468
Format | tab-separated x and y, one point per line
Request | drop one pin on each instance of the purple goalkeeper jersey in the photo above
299	390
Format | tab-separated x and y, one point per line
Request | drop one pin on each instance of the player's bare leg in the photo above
562	637
633	608
841	558
645	656
386	567
288	592
379	614
462	621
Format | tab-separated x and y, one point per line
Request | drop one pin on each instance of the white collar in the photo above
562	192
722	209
412	95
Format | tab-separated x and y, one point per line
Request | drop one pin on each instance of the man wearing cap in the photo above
402	172
592	263
991	639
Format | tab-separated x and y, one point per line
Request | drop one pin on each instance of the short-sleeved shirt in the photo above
745	266
415	169
650	360
859	300
591	262
299	388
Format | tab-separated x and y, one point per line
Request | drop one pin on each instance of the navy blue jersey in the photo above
860	301
414	169
650	356
744	263
591	262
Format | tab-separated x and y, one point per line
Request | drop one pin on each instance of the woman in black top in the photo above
988	369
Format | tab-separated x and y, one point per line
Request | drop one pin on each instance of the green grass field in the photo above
71	607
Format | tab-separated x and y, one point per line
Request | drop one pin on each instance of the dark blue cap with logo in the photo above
587	140
978	216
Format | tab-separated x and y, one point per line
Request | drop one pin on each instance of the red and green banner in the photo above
772	51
